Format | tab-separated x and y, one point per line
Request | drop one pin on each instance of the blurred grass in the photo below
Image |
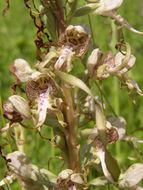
17	34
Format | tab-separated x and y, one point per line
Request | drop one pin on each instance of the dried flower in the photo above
94	60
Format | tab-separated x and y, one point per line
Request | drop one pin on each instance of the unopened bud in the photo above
20	105
21	70
93	60
10	113
106	6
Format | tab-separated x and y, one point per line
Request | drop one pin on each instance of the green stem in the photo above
105	98
115	81
70	9
60	16
101	123
1	113
91	28
71	137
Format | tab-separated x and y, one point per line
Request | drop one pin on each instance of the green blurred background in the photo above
17	34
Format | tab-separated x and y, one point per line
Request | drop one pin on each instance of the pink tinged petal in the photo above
63	58
101	156
122	66
11	113
8	110
21	69
43	105
106	6
35	75
72	187
7	180
5	128
132	85
130	64
93	60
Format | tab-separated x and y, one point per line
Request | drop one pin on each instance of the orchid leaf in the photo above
60	117
71	6
72	80
83	10
99	181
112	165
109	165
101	123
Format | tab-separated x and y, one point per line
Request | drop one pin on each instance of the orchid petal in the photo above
21	105
42	104
106	6
21	69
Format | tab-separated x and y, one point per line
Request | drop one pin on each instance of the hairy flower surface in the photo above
74	42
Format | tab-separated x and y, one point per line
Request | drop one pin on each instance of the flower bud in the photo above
21	70
106	6
10	113
93	60
122	65
16	108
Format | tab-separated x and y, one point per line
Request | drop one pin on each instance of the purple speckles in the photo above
43	104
